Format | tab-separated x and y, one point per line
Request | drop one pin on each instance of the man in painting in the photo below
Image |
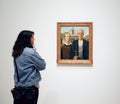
65	47
80	47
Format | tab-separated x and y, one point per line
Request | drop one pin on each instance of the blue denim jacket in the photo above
29	63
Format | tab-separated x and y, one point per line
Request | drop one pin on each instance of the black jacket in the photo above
74	49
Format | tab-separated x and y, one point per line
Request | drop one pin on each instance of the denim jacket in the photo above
29	63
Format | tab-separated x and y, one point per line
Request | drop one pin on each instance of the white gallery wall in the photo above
64	84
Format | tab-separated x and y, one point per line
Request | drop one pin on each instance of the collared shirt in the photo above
67	43
80	45
80	42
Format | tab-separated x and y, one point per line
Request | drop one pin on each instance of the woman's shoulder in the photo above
28	50
62	45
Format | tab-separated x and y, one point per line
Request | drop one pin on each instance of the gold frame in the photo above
74	24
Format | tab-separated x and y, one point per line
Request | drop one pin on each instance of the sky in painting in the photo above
69	28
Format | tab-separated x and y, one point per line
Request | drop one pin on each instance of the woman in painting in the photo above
65	48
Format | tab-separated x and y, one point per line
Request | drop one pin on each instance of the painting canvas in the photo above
74	42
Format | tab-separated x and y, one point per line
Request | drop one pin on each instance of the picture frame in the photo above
74	42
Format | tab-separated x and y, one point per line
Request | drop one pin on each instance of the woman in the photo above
28	63
65	48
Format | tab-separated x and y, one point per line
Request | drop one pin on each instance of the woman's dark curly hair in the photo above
23	40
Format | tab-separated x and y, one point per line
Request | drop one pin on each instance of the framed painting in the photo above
74	42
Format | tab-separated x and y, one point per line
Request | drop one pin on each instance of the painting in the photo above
74	42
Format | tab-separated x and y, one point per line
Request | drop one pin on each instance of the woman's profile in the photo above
29	64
